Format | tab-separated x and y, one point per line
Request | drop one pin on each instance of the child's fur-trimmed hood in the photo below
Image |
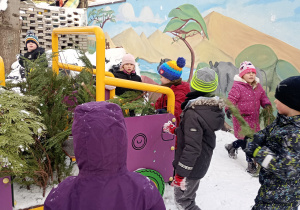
206	101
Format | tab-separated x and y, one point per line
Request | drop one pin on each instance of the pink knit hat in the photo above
127	58
246	67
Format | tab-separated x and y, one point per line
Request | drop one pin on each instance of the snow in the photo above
71	56
3	5
226	185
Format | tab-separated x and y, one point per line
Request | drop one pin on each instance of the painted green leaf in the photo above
192	26
93	12
174	24
188	12
285	69
179	14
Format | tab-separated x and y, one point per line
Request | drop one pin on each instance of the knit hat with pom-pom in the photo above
30	37
172	70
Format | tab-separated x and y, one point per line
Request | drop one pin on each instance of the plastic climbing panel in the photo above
148	146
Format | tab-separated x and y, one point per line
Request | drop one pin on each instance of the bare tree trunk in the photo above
10	33
192	59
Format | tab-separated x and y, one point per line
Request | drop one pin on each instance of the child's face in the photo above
128	67
31	46
282	108
164	80
249	77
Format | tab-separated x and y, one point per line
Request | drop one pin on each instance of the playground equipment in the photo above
150	150
5	182
2	72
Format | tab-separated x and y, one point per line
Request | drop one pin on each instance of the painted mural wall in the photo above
216	33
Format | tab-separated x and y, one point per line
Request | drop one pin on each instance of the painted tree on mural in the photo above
186	22
101	16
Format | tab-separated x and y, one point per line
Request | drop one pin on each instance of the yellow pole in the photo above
100	53
2	72
144	87
79	68
100	64
55	52
101	80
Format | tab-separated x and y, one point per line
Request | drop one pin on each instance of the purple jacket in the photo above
103	183
248	100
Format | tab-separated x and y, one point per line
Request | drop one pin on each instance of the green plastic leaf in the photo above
174	24
192	26
189	12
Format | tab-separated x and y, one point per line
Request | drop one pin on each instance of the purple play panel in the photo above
148	146
5	195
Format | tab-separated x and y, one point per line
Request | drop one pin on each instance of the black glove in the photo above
255	147
228	114
161	111
244	143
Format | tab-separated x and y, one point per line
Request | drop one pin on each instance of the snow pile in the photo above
3	5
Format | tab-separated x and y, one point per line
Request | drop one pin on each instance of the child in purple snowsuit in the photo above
248	96
104	182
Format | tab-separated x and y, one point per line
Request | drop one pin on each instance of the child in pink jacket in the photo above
248	96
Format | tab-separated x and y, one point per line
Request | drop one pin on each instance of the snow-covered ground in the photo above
226	185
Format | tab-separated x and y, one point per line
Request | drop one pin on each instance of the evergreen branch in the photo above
87	90
266	115
245	128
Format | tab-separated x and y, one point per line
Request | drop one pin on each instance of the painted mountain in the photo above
227	39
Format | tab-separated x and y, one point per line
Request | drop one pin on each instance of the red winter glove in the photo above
179	181
169	127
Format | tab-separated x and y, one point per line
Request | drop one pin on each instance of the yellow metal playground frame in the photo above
101	79
2	72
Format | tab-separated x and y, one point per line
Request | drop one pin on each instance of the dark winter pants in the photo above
186	199
276	195
237	144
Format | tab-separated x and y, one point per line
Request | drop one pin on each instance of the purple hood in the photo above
100	145
100	139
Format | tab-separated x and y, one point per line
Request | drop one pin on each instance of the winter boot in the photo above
232	152
252	169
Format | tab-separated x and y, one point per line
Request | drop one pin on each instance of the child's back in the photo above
202	115
100	146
